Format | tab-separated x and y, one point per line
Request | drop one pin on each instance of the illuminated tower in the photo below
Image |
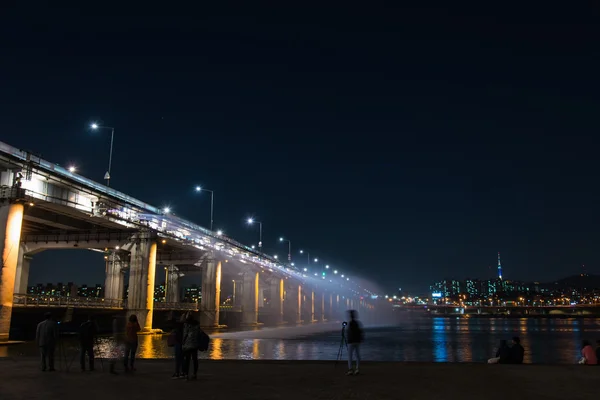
499	267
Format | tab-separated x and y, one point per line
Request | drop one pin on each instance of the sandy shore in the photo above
21	379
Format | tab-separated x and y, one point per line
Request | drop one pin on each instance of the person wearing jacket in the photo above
46	336
354	338
177	330
131	342
191	342
87	337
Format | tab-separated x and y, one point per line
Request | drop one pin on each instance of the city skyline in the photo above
395	146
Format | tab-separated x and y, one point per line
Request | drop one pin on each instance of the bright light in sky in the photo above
342	276
275	256
335	272
94	126
250	220
198	188
301	251
219	232
281	239
305	269
167	210
72	168
327	267
316	260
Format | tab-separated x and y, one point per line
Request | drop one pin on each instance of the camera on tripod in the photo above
344	324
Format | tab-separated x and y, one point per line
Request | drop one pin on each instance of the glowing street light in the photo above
335	271
219	232
342	275
327	267
212	203
305	269
275	256
166	210
95	127
72	169
289	242
253	221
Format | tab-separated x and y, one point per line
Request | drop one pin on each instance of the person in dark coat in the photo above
87	338
503	353
46	336
516	351
354	337
177	331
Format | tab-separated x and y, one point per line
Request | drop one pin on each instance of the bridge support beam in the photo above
172	284
141	282
250	299
11	220
320	313
309	306
276	302
114	283
238	292
293	304
22	273
211	294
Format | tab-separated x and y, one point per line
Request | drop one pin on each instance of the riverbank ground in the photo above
20	378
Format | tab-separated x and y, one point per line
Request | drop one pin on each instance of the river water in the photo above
422	339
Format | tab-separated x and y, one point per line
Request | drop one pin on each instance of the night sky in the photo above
407	145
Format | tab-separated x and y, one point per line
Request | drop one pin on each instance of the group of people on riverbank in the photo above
509	354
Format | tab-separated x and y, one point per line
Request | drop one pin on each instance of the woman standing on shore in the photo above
191	342
131	341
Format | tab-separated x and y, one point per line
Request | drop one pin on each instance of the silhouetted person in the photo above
191	342
516	351
354	336
588	353
131	342
177	335
598	350
502	354
46	336
87	337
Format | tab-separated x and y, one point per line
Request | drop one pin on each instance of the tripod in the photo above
343	343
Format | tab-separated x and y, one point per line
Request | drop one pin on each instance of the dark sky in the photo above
407	144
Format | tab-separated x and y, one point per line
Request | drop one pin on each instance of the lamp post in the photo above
289	247
95	126
253	221
212	203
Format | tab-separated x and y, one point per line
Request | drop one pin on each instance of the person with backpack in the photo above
175	340
191	344
87	337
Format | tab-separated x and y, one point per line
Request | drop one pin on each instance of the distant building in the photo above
160	293
192	294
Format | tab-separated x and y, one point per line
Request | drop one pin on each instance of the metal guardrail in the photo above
176	306
31	300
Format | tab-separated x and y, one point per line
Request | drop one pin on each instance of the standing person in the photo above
588	354
177	336
355	338
191	342
46	336
516	351
87	337
131	342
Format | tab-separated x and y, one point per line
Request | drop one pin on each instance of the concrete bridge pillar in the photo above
22	273
293	304
211	294
276	297
142	271
11	220
309	305
238	292
261	294
329	308
172	284
321	307
115	278
250	299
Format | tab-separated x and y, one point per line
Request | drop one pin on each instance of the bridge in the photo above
45	206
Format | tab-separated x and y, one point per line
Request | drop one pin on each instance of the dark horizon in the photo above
403	144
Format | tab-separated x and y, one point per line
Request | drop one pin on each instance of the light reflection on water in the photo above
439	339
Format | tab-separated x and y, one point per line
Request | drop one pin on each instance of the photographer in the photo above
355	337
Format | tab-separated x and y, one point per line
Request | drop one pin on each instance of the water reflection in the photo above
440	339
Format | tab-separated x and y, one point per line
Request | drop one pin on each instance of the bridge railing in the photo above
176	306
34	300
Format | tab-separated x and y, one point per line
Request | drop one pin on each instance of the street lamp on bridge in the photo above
289	247
252	221
95	127
212	203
